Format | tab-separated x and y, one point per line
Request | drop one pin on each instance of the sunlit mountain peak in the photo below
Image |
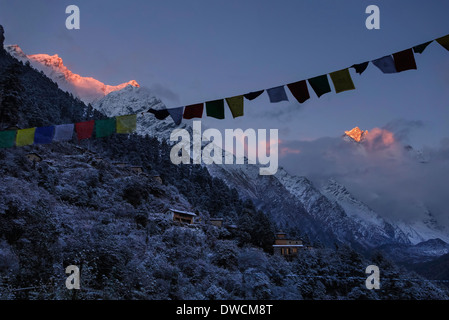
356	134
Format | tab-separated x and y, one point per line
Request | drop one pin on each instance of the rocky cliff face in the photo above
2	39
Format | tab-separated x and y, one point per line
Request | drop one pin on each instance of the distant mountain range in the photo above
328	214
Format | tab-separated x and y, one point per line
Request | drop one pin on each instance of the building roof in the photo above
288	245
33	153
183	212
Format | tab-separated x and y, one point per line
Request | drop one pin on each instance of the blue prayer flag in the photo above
176	114
385	64
44	135
277	94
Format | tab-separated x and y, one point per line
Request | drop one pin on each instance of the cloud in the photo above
279	113
378	138
380	171
402	128
165	93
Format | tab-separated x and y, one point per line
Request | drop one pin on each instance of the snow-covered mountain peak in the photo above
88	89
16	52
356	134
137	100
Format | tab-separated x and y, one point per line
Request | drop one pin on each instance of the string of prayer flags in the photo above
420	48
215	109
63	132
342	80
320	85
44	135
385	64
299	90
127	123
277	94
104	128
176	114
444	42
235	104
404	60
25	137
159	114
360	67
84	129
253	95
7	138
193	111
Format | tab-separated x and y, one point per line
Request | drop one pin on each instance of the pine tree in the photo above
10	101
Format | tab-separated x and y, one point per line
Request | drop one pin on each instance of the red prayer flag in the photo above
299	90
194	111
404	60
85	129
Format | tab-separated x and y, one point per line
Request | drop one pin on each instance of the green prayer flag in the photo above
215	109
126	124
235	105
444	41
7	138
342	80
25	137
104	128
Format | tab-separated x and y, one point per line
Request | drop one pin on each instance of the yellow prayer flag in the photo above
444	42
236	105
342	80
126	124
25	137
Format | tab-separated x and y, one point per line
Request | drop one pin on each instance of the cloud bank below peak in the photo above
382	170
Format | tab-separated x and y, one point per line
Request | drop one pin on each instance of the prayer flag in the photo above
7	138
194	111
126	124
104	128
63	132
235	105
342	80
44	135
253	95
420	48
25	137
320	85
385	64
444	42
159	114
299	90
176	114
215	109
404	60
84	129
277	94
360	67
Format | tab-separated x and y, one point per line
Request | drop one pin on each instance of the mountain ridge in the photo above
88	89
